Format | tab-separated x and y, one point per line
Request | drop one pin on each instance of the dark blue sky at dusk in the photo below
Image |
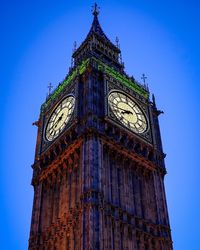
158	38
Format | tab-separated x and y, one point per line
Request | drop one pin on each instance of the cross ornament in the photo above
95	10
144	78
50	86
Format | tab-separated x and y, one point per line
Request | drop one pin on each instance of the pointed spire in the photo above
74	46
95	11
157	111
96	27
153	100
73	50
120	54
97	35
95	24
117	42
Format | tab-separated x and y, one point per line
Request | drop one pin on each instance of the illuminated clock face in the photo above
127	112
60	118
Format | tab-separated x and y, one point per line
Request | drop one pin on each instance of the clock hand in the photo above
59	119
116	107
128	112
125	111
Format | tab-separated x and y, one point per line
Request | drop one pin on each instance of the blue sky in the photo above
160	39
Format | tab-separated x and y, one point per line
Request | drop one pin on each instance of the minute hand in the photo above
116	107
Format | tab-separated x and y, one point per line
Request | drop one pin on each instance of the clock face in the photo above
60	118
127	112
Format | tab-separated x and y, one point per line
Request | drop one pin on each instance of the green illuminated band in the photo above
101	67
79	70
123	79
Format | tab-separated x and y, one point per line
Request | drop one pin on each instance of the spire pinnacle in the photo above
95	10
74	46
117	42
50	87
153	100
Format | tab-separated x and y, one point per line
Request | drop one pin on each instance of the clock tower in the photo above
98	173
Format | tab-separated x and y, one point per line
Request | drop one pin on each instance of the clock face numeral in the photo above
60	118
128	112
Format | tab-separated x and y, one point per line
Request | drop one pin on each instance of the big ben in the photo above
98	173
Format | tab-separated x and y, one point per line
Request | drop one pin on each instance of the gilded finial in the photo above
95	10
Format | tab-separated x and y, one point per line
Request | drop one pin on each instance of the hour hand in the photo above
128	112
56	123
